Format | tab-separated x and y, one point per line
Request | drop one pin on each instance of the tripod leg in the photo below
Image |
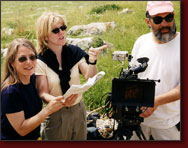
142	134
122	132
139	133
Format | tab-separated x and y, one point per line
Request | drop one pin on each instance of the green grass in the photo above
22	15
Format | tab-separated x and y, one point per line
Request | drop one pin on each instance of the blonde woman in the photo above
21	105
59	67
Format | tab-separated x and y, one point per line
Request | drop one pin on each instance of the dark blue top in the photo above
16	98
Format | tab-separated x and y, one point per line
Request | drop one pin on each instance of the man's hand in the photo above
147	111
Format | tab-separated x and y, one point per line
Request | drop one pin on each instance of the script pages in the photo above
79	89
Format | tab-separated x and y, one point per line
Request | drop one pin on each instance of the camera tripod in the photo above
127	126
128	120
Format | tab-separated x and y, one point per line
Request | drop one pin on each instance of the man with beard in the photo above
162	47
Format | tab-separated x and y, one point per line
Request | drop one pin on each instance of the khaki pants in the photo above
66	124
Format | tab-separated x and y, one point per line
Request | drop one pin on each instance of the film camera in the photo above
129	94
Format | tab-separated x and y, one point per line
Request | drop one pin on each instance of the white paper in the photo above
78	89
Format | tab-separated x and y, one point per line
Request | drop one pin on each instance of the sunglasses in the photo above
159	19
24	58
56	30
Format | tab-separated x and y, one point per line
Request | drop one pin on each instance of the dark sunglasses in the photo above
159	19
56	30
24	58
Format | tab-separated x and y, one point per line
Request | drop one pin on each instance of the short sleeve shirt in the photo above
16	98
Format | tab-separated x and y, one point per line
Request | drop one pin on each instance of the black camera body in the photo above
128	90
129	94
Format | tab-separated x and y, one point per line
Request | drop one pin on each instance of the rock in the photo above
7	31
125	11
84	43
42	8
91	29
4	51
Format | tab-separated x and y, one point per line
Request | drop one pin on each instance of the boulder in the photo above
7	31
84	43
4	51
91	29
125	11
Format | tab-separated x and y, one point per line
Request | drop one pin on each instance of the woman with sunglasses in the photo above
59	66
162	47
21	105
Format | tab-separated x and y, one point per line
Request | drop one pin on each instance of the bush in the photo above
104	8
11	25
97	42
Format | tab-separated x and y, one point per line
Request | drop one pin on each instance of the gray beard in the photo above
167	36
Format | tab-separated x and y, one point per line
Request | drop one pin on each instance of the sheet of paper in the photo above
79	89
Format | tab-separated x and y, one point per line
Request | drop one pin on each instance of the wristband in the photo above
94	63
88	62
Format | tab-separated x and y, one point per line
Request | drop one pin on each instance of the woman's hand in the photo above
70	100
94	52
59	102
89	70
55	104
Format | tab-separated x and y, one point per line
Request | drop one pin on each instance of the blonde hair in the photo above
10	76
44	26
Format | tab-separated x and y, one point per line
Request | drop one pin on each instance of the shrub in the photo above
97	42
102	9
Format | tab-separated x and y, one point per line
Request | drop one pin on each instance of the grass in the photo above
22	15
